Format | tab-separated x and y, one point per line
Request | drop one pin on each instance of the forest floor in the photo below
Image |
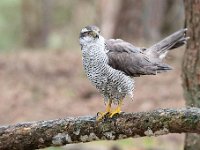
41	85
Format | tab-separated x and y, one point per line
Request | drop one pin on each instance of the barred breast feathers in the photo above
95	61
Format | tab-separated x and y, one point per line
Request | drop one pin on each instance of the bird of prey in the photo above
111	65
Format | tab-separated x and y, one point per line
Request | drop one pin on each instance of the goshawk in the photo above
111	65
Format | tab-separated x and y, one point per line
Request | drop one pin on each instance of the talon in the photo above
105	114
102	115
99	113
116	112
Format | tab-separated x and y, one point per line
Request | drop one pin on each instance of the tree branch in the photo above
59	132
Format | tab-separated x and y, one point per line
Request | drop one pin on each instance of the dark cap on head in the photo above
90	29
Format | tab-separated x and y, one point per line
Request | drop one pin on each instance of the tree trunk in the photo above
107	12
140	20
36	22
173	17
129	20
191	65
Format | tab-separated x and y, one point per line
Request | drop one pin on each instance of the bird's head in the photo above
89	34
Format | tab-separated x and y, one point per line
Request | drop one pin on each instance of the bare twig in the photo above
59	132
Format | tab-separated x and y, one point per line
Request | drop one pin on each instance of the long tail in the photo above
159	50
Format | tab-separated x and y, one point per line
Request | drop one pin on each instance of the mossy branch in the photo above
59	132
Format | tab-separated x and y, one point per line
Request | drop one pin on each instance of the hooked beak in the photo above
95	34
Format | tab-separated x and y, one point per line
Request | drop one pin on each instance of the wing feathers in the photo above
135	61
119	45
134	64
131	60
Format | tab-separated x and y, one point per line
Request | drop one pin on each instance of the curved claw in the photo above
105	114
102	115
116	112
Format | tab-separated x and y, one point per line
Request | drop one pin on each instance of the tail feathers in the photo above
160	49
163	68
180	43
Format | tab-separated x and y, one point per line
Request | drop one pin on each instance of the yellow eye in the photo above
92	34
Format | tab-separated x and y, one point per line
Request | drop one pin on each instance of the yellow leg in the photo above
108	107
101	115
117	110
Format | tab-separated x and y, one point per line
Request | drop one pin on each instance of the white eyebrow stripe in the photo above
84	30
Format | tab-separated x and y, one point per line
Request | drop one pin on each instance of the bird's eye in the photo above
92	34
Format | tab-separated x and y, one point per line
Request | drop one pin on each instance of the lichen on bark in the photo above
60	132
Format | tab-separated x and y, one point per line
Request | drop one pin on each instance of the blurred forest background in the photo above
41	75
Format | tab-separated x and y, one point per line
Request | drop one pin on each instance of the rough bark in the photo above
59	132
191	65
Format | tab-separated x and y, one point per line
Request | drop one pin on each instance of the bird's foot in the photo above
102	115
115	112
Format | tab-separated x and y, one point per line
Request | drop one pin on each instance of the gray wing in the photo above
121	45
131	60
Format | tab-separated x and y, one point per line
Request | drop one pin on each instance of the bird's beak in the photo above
97	35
